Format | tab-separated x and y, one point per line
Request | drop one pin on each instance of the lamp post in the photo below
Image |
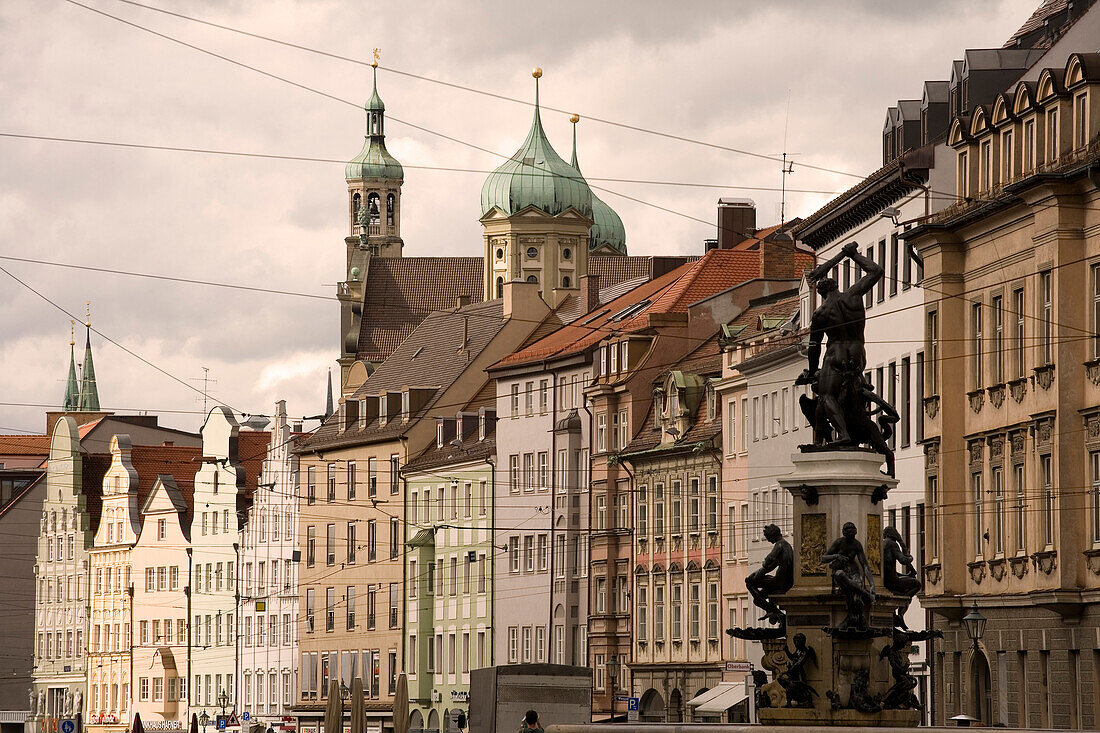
204	719
613	673
223	700
975	624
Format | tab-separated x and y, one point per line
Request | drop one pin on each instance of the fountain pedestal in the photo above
831	488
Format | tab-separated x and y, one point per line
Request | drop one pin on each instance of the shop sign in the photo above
460	696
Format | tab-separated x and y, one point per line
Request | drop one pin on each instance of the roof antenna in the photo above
788	167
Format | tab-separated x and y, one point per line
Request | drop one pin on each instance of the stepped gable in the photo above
400	292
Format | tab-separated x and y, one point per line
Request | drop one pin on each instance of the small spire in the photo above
72	385
328	400
537	74
89	392
574	118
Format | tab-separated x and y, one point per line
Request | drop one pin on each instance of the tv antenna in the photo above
206	382
788	166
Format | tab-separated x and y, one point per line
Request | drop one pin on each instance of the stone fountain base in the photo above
848	676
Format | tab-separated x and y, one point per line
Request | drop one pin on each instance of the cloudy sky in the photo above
721	72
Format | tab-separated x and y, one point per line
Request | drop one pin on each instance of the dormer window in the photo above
614	359
712	401
623	354
439	434
405	405
659	407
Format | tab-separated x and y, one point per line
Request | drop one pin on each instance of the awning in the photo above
719	698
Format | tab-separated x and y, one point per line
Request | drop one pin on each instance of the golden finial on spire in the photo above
72	332
88	314
536	72
574	118
377	56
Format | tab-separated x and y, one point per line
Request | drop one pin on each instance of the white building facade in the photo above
269	584
214	535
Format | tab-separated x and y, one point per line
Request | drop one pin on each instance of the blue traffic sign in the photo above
68	726
221	722
632	704
246	715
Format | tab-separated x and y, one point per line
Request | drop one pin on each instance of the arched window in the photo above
391	205
372	208
532	279
356	202
565	281
500	287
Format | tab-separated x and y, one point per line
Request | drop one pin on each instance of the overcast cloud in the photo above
714	71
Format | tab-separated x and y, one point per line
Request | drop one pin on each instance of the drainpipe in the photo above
492	559
236	622
130	593
187	592
553	507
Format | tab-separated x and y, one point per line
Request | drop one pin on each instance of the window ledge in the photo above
1044	375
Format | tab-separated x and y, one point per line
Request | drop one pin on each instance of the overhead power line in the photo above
341	161
482	92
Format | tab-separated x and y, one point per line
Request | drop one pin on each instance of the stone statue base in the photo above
848	678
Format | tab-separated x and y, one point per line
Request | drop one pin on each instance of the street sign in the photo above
261	605
631	704
246	715
622	698
632	716
68	726
233	722
220	722
740	667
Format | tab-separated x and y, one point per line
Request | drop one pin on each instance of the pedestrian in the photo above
531	723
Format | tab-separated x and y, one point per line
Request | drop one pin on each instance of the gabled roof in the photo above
450	454
1049	21
432	356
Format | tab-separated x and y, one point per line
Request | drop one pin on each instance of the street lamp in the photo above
205	720
613	673
975	624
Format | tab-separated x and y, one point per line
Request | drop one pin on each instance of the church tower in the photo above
374	179
536	211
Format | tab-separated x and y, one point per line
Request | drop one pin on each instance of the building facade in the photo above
449	581
1011	404
269	584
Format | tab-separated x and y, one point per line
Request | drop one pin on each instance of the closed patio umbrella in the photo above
137	726
358	711
334	711
401	706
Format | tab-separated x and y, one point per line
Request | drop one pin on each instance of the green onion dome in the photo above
374	161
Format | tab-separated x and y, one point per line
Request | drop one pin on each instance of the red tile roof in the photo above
716	271
24	445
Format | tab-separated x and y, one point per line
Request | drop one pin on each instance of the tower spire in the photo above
574	118
328	400
72	385
89	393
537	73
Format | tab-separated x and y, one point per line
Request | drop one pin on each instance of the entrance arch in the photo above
652	707
433	721
416	722
981	688
675	707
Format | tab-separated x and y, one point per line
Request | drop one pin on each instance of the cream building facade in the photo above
162	604
110	571
1011	469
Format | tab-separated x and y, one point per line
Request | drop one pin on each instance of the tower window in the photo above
500	287
532	279
565	281
391	206
500	254
356	202
533	252
372	208
566	253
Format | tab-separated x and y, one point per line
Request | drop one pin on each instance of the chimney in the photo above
709	244
777	257
736	220
522	300
297	427
463	301
590	292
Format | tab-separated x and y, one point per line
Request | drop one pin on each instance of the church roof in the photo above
607	229
536	176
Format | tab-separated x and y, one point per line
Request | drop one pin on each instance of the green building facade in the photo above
449	568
